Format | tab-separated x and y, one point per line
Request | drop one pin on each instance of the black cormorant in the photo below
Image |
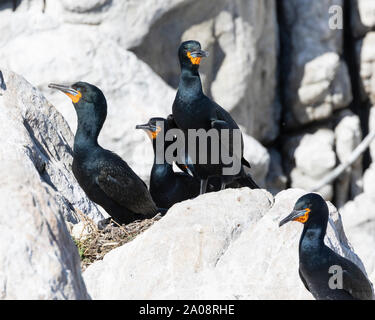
192	109
327	275
166	186
103	175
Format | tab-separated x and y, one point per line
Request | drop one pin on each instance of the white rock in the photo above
366	62
202	231
359	220
363	16
81	230
263	263
258	157
348	136
224	245
369	180
313	154
372	127
38	259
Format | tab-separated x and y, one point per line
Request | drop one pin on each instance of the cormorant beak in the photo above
145	126
151	130
73	94
296	215
199	54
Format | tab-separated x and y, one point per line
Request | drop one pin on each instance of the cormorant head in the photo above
81	93
190	54
89	102
153	127
310	208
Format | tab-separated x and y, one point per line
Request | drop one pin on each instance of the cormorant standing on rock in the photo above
318	263
103	175
192	109
166	186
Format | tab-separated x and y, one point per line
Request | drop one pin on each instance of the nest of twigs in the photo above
94	243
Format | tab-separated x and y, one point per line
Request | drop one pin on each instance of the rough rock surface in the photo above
372	127
258	157
224	245
276	180
366	60
316	78
347	137
38	259
33	130
363	16
359	220
309	157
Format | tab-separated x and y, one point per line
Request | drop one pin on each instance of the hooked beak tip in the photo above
282	222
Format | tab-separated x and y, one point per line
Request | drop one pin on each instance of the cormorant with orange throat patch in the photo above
192	109
104	176
167	187
318	263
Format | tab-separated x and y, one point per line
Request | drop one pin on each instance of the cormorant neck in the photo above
88	130
312	237
160	169
190	81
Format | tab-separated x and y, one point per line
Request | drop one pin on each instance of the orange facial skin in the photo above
74	98
305	217
153	134
193	60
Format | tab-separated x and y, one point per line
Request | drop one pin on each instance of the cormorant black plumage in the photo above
316	259
104	176
192	109
166	186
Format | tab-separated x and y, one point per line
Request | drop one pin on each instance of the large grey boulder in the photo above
38	259
316	79
309	156
223	245
33	130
